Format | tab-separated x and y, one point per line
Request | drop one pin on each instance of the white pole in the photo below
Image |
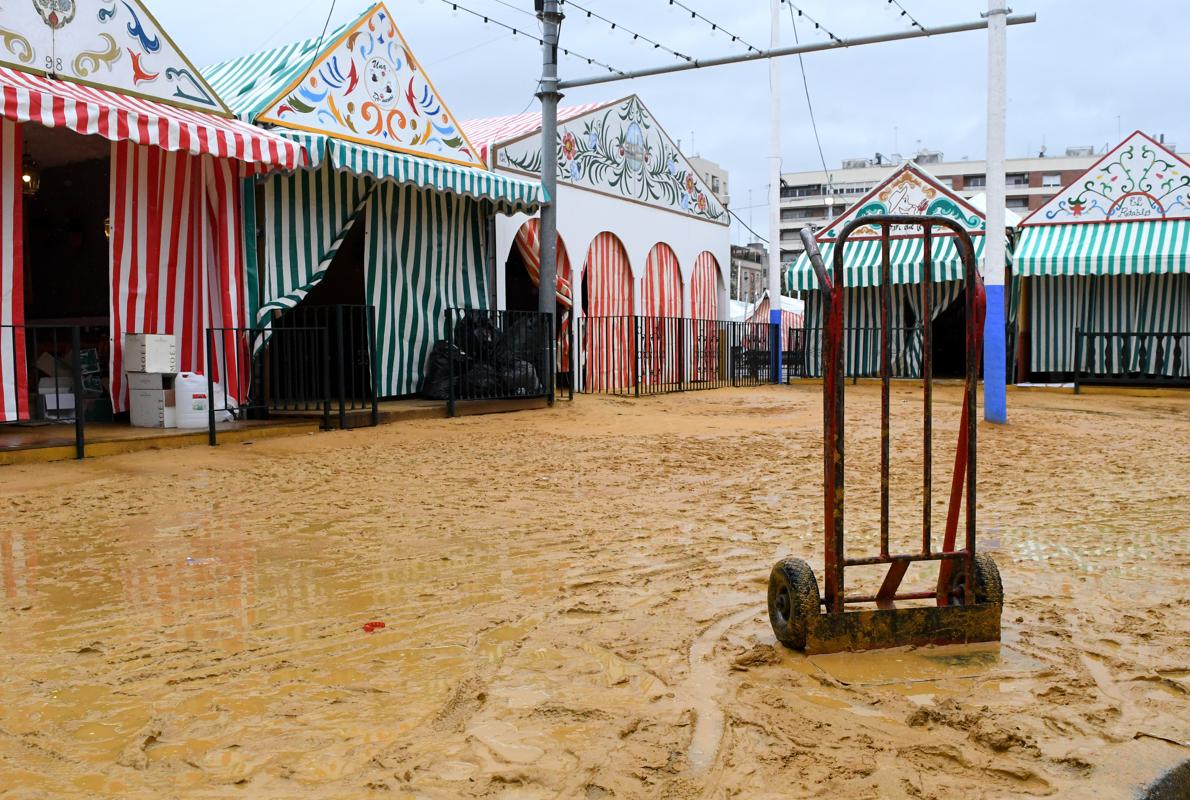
995	398
775	188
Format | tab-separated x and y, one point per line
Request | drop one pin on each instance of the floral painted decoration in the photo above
1139	179
621	150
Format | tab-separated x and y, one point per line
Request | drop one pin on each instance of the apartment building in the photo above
814	198
749	272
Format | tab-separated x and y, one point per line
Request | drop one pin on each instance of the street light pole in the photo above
551	22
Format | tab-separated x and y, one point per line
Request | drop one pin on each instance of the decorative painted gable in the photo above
620	150
368	87
909	190
111	44
1139	180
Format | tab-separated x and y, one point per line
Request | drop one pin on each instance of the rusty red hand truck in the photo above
801	618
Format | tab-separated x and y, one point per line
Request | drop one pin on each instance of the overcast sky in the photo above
1085	72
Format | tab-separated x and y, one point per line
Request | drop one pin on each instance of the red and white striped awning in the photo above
118	117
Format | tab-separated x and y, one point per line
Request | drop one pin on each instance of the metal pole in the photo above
551	19
1014	19
775	193
995	397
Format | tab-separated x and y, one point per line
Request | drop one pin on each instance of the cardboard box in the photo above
151	408
150	352
49	403
157	381
63	384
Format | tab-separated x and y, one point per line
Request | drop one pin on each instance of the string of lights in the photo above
714	25
905	13
489	20
635	36
817	24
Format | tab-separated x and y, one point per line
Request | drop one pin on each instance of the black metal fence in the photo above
635	355
49	377
261	371
861	353
351	340
1136	358
493	355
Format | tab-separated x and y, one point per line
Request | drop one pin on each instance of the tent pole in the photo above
551	19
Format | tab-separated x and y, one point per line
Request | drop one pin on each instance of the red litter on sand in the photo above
372	627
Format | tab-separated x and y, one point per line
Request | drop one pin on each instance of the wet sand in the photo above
574	606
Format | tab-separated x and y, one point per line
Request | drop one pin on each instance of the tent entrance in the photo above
337	303
950	340
66	254
520	292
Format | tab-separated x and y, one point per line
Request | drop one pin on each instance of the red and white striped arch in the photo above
608	349
704	287
661	289
608	274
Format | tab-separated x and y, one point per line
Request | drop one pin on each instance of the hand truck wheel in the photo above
793	601
988	588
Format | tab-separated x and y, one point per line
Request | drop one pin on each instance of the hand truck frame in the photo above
802	619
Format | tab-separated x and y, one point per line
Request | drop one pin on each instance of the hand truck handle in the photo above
824	279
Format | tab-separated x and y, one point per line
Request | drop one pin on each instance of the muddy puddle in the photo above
572	605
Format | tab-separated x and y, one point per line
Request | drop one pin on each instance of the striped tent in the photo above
1109	278
608	351
423	196
861	320
176	259
908	190
1110	256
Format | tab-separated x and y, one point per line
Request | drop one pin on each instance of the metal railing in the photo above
493	355
351	332
261	371
636	355
861	353
1138	358
64	401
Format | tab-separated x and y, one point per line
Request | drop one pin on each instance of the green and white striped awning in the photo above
861	262
511	195
1150	247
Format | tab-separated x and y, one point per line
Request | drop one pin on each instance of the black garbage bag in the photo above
436	384
527	339
477	336
519	379
482	381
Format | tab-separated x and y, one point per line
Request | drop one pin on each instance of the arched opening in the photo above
704	311
704	287
661	290
608	348
662	334
522	272
522	280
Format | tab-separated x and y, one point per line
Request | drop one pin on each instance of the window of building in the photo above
974	181
1017	202
1016	179
714	183
1051	180
801	191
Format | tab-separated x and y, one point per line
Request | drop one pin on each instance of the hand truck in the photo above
968	596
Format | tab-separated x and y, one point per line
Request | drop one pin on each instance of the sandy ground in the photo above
573	606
